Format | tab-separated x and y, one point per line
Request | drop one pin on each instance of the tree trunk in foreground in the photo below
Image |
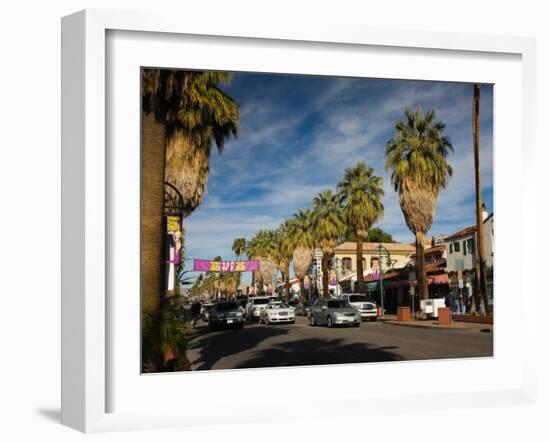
152	205
481	261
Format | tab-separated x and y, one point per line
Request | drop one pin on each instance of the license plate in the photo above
230	321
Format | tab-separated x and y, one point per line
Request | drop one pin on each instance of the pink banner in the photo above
204	265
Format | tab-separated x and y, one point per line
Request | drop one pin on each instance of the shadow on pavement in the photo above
216	345
316	351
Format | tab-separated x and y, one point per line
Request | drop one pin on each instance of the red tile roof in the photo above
466	231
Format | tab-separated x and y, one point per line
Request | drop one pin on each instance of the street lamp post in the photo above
311	275
381	249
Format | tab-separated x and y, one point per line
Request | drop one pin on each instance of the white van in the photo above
361	303
255	306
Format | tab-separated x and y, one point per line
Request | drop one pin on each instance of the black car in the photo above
225	314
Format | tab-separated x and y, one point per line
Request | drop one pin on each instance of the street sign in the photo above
461	283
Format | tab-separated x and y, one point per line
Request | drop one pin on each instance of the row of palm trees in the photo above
352	209
416	156
215	282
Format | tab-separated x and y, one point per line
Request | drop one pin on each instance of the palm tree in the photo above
360	193
301	238
283	252
183	112
328	228
417	156
205	115
239	247
262	247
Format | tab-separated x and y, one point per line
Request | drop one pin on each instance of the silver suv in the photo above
333	312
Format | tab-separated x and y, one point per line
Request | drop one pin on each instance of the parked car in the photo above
255	306
302	308
367	308
277	312
225	313
205	309
334	312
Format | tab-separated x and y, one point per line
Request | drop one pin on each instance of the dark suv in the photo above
225	314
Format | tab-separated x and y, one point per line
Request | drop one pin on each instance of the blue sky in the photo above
299	133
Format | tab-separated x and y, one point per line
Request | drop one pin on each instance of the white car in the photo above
361	303
277	312
255	306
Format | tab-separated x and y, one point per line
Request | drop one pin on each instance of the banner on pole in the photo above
204	265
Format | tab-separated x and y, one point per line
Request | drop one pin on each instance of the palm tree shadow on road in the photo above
217	345
316	351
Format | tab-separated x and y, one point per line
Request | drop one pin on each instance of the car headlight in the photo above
239	314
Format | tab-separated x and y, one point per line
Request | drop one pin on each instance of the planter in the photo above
444	316
403	314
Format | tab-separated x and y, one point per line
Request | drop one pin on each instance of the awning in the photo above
374	285
443	278
396	284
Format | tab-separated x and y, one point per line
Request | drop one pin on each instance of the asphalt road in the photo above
258	345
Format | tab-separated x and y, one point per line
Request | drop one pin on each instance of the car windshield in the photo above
334	303
358	298
224	306
278	305
260	301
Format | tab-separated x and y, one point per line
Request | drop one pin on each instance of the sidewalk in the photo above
432	324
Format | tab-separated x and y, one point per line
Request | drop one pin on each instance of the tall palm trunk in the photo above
420	267
152	204
481	271
360	284
324	264
303	289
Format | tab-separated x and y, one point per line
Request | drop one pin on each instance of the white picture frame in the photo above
85	215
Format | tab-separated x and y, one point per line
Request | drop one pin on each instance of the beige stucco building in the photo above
400	254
